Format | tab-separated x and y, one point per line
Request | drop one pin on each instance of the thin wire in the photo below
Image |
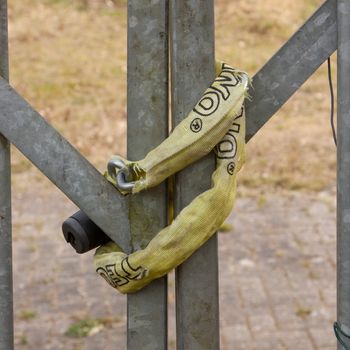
332	100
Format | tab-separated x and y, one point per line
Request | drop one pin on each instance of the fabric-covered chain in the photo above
217	120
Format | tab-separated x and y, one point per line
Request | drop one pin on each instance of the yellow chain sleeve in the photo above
218	119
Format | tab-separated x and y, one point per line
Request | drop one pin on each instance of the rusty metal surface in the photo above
147	127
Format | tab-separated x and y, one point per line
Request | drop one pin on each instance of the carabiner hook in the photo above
120	173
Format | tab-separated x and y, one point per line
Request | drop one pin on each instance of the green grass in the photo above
84	328
27	315
90	326
23	339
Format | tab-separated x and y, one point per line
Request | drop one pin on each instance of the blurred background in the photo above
277	258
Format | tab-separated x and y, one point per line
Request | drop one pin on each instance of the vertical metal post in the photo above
6	289
343	169
147	127
192	66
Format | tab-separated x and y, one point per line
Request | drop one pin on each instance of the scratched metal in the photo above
192	57
343	169
63	165
147	127
6	289
291	66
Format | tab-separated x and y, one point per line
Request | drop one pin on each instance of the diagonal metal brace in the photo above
63	165
291	66
282	75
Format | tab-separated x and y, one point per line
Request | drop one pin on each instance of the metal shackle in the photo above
118	170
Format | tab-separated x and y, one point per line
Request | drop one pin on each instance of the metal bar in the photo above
291	66
6	284
147	127
273	85
192	66
343	169
63	165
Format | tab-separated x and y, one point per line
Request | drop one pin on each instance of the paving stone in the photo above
323	336
292	340
235	336
277	278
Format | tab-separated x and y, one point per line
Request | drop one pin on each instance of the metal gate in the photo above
175	36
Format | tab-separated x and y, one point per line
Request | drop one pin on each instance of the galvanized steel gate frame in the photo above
184	31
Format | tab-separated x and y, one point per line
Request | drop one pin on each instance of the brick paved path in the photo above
277	277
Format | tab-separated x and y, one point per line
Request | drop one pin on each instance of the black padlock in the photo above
82	233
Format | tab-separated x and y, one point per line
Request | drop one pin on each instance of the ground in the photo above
277	264
277	278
